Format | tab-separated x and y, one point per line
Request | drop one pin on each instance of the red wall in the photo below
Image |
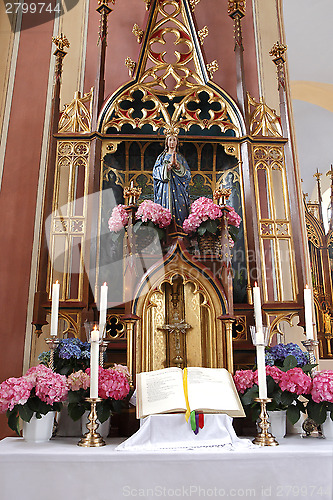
19	192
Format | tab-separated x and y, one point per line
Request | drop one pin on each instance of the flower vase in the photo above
209	244
39	430
66	426
278	423
327	426
103	429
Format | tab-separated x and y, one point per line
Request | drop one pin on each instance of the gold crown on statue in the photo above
171	130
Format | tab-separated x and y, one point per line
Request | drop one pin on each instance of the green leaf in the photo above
308	368
13	420
289	363
293	414
287	398
211	226
75	411
248	397
317	411
271	385
103	412
25	412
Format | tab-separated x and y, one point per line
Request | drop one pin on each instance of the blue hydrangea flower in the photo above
69	348
269	359
279	352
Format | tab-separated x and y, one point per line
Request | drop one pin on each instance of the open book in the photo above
210	390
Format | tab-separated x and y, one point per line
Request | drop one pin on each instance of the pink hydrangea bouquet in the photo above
152	216
204	215
37	392
118	220
113	388
284	386
320	400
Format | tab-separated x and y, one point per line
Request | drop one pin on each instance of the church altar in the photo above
298	468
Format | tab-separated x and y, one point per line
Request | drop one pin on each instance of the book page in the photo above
160	391
213	390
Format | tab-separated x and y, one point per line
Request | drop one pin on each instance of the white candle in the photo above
261	371
94	362
103	305
55	308
257	308
308	313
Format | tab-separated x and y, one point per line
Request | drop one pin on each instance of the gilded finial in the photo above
330	173
130	65
221	195
202	34
171	130
193	3
61	42
212	67
277	52
236	8
138	32
317	175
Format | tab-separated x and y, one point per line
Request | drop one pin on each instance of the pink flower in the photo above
78	380
122	369
14	391
244	379
233	218
49	387
111	383
150	211
322	386
204	209
118	219
274	372
296	381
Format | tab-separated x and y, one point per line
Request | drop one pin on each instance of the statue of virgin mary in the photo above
172	176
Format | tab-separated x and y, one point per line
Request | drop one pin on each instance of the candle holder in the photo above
92	439
52	343
260	337
264	438
310	345
103	345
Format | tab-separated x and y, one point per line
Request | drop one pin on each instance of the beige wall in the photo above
267	33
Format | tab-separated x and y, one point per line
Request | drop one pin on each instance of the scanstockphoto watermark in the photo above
195	491
26	14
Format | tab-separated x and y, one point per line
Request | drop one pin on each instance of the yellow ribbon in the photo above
188	410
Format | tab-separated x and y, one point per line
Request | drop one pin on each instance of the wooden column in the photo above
41	296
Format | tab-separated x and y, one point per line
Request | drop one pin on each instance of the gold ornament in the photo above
212	67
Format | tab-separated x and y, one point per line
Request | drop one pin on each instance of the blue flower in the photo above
269	359
279	352
69	348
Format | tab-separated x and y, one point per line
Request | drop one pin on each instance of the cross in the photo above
176	328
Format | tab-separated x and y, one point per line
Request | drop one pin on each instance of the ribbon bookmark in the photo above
188	410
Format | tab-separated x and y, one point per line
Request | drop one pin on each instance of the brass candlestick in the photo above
92	438
53	343
264	438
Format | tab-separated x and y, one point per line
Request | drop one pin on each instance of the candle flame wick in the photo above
105	283
255	283
306	286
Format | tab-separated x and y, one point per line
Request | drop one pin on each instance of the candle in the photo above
55	308
257	308
103	305
94	362
261	371
308	313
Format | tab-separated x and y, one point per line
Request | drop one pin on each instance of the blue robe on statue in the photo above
171	186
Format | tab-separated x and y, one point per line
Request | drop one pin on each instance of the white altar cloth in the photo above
59	470
171	431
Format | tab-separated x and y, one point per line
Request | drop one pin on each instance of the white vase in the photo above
327	426
66	426
278	423
296	428
39	430
103	429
